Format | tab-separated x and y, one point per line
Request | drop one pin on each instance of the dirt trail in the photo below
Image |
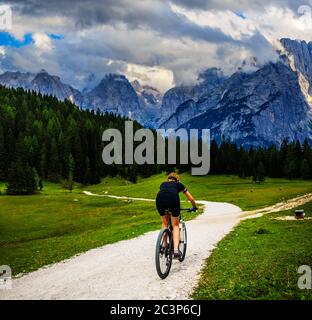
281	206
126	269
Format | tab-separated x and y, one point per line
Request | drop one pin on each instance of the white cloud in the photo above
157	77
156	41
43	42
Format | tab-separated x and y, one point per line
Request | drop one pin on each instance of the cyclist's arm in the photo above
190	198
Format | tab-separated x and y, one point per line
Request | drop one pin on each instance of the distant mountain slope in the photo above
257	105
261	108
300	54
41	82
113	93
173	98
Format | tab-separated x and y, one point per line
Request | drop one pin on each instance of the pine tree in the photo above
243	169
290	169
36	177
87	175
71	166
21	179
3	171
305	170
53	163
259	173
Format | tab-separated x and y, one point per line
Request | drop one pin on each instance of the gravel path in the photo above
281	206
126	269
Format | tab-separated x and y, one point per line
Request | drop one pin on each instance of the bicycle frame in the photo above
166	237
170	227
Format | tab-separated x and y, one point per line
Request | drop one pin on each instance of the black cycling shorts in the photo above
168	201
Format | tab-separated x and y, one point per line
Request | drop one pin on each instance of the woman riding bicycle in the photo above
168	200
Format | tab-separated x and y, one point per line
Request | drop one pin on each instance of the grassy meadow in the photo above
55	224
242	192
259	260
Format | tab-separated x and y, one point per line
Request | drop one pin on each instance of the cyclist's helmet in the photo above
173	177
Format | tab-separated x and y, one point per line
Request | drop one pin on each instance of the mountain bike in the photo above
164	246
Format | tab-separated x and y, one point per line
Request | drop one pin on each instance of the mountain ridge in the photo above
238	106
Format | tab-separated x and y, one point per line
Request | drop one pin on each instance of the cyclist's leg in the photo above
165	220
176	232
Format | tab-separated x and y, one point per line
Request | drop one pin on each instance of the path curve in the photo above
126	269
281	206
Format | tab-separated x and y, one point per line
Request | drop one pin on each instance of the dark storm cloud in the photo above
239	5
142	32
154	15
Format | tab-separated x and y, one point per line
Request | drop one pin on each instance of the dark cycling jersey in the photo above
173	187
168	198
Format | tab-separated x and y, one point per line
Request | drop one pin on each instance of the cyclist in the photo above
168	200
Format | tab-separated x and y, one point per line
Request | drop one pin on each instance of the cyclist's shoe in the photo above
177	254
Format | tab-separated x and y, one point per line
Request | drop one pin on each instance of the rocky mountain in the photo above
264	108
150	101
257	105
113	94
16	79
299	54
41	82
148	95
178	96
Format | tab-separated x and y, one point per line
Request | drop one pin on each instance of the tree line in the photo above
42	138
292	160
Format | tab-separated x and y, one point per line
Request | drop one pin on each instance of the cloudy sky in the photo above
162	43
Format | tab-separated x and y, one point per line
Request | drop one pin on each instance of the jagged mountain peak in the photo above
256	105
44	71
256	108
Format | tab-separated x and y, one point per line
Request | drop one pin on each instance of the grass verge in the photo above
54	224
242	192
259	260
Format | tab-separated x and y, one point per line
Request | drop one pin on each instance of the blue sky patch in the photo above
56	36
6	39
241	15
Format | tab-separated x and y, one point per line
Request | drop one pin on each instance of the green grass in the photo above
242	192
54	224
259	260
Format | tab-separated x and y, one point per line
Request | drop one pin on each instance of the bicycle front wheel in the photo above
183	241
163	254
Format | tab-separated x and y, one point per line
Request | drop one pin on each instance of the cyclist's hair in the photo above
173	176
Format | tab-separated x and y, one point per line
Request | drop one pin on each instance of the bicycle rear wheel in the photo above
163	257
183	241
